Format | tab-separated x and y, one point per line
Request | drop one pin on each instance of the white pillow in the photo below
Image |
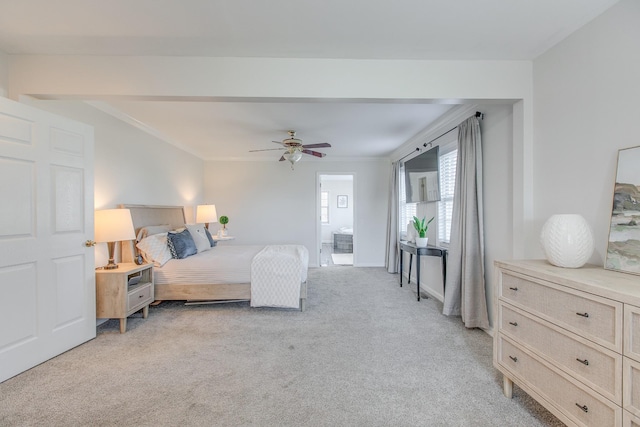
154	249
199	237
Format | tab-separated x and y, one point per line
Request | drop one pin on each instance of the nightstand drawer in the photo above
597	319
142	295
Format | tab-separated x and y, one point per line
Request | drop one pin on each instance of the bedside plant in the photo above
224	220
421	228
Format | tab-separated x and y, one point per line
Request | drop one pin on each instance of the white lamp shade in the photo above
113	225
206	214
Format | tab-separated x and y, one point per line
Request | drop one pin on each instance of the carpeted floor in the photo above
364	353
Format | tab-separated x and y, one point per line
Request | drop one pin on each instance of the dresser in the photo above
570	338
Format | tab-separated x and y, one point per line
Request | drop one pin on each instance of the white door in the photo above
47	281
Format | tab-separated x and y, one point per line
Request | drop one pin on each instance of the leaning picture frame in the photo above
623	247
343	201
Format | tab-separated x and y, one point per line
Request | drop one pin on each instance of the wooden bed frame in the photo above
143	216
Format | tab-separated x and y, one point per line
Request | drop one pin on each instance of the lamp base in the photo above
112	263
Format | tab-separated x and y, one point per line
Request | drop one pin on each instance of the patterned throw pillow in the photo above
154	249
181	244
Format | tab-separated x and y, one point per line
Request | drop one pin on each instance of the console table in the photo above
412	249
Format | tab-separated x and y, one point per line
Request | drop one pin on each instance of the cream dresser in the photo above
570	338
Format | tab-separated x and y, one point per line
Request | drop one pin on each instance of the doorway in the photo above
336	228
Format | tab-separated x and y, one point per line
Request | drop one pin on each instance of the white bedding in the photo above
224	264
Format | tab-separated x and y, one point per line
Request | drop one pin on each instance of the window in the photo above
447	186
407	210
324	207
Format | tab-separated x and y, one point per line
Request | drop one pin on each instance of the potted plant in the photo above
421	228
224	220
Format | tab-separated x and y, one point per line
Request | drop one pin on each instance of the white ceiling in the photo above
359	29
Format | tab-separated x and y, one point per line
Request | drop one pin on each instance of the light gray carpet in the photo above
365	353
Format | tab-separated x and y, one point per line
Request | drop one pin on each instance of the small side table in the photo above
222	239
123	291
412	249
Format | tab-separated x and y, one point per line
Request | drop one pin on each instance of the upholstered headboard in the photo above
144	215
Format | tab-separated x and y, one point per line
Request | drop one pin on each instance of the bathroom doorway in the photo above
336	228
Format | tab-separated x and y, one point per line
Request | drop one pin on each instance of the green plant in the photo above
420	226
224	220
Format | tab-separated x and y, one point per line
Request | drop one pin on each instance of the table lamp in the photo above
206	214
111	226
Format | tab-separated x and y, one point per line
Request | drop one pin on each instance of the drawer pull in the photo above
515	359
583	314
513	323
585	362
583	407
514	289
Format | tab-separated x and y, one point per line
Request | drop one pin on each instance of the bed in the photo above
223	273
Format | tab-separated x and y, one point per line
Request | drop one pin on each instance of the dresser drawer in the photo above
595	318
140	296
576	403
597	367
631	393
629	420
632	332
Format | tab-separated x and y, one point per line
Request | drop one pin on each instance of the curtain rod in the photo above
478	115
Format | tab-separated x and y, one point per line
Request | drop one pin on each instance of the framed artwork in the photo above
623	249
343	201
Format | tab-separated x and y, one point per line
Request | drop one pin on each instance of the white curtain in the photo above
392	257
465	286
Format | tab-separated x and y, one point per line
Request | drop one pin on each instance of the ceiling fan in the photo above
295	149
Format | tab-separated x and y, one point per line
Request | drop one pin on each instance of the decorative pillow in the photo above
154	249
199	237
150	230
211	241
181	244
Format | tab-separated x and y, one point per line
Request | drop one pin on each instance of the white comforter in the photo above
276	274
224	264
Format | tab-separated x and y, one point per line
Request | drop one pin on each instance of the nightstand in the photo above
123	291
222	239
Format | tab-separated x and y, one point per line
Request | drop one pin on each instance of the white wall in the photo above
338	217
586	108
267	202
4	76
133	167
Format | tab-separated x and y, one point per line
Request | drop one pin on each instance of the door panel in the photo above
70	293
47	281
19	281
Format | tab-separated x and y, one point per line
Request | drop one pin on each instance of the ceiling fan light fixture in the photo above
293	157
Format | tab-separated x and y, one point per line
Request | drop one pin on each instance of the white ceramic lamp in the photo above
567	240
111	226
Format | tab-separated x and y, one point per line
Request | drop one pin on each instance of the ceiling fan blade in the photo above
278	142
320	145
266	149
282	159
314	153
